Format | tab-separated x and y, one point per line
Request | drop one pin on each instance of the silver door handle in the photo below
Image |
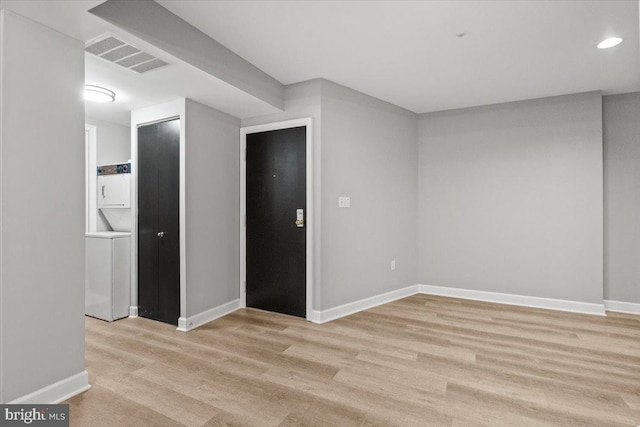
161	234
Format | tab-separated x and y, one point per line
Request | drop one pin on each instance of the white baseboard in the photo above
315	316
521	300
133	311
186	324
322	316
622	307
57	392
363	304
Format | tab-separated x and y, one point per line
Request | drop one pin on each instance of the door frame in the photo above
145	116
91	178
309	220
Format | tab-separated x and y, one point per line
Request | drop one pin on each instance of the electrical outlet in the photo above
344	202
393	264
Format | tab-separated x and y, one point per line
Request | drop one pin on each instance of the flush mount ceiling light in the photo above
610	42
98	94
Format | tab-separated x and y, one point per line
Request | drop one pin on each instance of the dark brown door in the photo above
159	221
276	244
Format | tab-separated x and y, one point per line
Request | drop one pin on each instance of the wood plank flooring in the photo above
420	361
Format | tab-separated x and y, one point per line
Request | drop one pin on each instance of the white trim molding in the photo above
133	311
323	316
363	304
91	178
622	307
511	299
186	324
310	211
58	391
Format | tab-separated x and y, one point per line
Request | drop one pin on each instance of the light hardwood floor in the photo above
422	360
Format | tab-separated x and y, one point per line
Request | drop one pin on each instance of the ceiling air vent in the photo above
123	54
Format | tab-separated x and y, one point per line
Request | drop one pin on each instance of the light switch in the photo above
344	202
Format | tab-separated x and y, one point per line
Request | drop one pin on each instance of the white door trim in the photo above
309	220
91	178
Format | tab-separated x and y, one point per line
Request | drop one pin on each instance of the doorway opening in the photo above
277	217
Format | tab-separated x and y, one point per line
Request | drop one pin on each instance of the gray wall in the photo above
511	198
369	153
42	213
212	202
366	149
113	145
621	114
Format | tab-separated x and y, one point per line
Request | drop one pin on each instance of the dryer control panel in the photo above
114	169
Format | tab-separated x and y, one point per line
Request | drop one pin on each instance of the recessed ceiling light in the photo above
610	42
98	94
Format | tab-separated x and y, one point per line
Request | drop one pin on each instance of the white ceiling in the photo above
179	79
406	53
135	90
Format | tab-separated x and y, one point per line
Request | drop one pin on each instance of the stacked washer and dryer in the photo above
108	253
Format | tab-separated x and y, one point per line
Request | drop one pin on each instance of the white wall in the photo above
369	153
113	145
42	212
212	202
621	115
113	141
511	198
